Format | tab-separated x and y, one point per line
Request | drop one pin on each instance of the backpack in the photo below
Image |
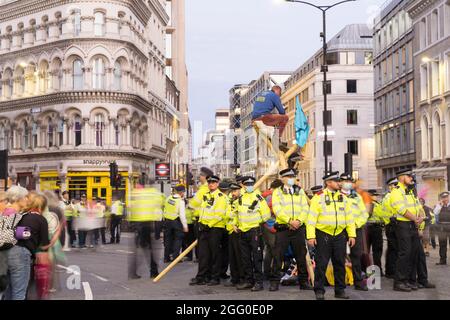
8	226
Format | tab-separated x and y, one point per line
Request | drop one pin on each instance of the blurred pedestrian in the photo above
429	221
69	213
442	213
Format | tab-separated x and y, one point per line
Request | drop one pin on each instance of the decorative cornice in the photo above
82	96
160	11
415	8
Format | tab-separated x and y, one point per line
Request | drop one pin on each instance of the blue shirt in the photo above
265	103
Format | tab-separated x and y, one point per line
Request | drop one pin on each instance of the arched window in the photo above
99	24
77	129
425	139
98	74
436	136
60	130
44	77
57	74
26	135
78	74
34	135
77	22
99	129
117	76
50	133
20	75
3	145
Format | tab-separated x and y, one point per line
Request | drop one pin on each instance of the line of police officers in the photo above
333	218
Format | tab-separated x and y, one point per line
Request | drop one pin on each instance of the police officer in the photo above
410	217
252	210
224	187
236	269
189	237
360	217
329	215
290	206
377	219
69	213
211	225
117	210
175	223
442	211
316	190
391	251
146	215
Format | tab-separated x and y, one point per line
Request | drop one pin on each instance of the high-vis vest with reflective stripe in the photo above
69	210
231	217
403	200
189	215
197	200
247	218
118	208
387	207
359	210
378	214
332	217
146	205
213	209
172	208
289	207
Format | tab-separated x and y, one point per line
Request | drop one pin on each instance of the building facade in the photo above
394	91
250	164
83	84
350	107
431	45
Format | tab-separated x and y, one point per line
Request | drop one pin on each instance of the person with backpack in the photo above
31	234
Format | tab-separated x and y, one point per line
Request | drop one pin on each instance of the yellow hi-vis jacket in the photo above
387	207
359	210
117	208
171	208
213	209
251	210
69	209
189	215
197	200
290	204
378	214
403	200
146	205
231	217
330	213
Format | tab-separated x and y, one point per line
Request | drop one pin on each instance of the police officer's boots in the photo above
274	285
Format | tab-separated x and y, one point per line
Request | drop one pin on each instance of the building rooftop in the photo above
352	36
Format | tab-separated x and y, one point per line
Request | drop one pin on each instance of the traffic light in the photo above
113	172
118	181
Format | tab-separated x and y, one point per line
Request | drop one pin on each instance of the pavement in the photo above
101	274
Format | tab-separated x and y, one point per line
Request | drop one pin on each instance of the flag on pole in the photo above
301	124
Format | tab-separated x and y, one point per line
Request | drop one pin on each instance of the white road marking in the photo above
69	270
123	287
87	291
100	278
124	251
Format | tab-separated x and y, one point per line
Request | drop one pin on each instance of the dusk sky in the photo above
235	41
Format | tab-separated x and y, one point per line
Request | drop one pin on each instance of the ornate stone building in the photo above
83	83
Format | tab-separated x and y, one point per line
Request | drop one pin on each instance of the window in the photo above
352	147
351	86
423	33
99	128
34	133
78	74
328	148
117	76
434	27
98	74
435	78
50	134
424	135
26	136
60	131
99	24
77	23
327	118
436	136
424	82
77	128
3	145
352	117
117	133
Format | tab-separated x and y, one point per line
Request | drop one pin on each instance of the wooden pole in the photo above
174	262
309	266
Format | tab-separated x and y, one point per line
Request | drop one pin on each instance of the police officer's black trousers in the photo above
269	252
375	242
391	252
209	261
115	228
419	272
188	239
408	248
71	232
296	239
355	257
236	268
173	238
444	237
252	255
333	247
225	253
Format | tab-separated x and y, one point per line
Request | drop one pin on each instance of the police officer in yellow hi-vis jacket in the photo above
290	206
117	210
378	218
410	218
252	210
197	200
391	251
234	251
145	217
175	224
211	221
360	217
329	215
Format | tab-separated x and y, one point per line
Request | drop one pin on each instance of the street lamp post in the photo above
323	69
